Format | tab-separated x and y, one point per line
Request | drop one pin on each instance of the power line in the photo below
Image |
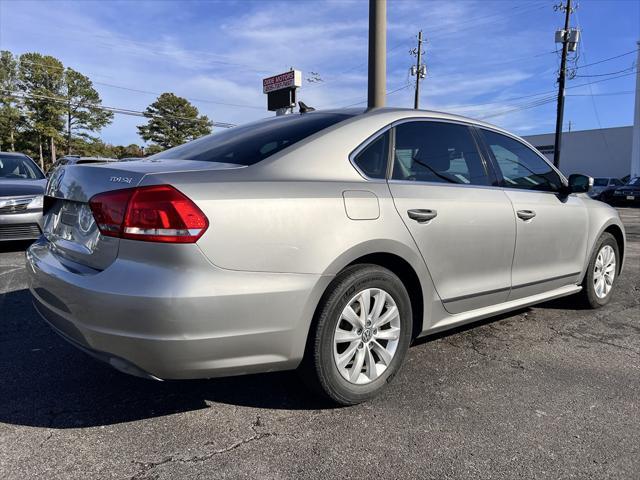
123	111
437	33
606	94
607	59
136	90
387	94
593	100
606	74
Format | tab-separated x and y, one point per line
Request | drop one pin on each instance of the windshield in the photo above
635	181
600	182
19	168
251	143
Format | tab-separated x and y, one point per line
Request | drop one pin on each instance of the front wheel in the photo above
360	335
603	268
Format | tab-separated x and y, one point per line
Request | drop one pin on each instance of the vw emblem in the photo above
366	335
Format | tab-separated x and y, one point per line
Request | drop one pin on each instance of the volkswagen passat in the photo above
324	241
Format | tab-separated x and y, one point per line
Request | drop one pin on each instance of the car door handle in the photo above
526	214
422	215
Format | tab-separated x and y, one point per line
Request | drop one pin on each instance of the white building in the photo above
599	153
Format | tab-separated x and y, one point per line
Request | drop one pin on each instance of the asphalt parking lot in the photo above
546	392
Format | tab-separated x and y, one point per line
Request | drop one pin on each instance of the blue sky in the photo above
482	55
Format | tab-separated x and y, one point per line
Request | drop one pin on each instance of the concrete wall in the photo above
599	153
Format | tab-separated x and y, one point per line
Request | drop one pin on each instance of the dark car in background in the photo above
602	185
628	194
21	195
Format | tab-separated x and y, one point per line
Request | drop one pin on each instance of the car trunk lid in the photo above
69	224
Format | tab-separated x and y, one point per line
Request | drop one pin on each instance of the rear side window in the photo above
253	142
520	166
437	152
372	160
600	182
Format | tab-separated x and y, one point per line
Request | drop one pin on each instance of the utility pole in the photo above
561	79
635	145
419	70
377	53
69	129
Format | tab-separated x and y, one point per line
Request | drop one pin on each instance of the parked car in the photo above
602	185
21	193
77	160
628	194
321	241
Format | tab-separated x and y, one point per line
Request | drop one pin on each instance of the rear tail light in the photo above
157	213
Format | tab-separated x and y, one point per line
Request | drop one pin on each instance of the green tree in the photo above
41	79
173	121
82	111
11	118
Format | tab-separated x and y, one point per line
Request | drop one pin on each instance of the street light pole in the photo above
377	53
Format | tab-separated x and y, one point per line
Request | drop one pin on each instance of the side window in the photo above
372	160
521	167
437	152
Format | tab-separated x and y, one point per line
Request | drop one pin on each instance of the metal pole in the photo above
416	100
377	53
635	145
561	80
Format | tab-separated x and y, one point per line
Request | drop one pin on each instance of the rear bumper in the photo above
20	226
180	320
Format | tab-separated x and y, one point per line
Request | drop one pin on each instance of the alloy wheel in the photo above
366	336
604	271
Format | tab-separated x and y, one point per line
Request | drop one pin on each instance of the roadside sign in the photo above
281	99
290	79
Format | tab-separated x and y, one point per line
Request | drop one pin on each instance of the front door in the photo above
551	228
464	228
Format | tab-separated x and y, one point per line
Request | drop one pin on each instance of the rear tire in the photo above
360	335
602	272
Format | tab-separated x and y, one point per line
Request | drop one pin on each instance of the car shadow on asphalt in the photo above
45	382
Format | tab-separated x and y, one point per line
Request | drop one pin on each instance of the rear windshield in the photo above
251	143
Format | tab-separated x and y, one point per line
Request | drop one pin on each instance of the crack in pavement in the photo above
474	344
591	338
146	467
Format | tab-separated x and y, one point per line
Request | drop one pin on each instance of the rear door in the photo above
551	228
463	225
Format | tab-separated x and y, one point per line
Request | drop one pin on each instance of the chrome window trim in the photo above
468	185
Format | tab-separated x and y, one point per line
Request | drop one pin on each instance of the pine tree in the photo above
173	121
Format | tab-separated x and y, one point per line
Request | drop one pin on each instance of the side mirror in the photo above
579	183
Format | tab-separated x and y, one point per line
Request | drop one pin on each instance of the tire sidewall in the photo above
593	299
360	279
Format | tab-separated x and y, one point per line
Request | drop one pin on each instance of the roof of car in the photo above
13	154
411	112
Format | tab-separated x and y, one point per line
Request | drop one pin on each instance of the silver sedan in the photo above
21	195
324	242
